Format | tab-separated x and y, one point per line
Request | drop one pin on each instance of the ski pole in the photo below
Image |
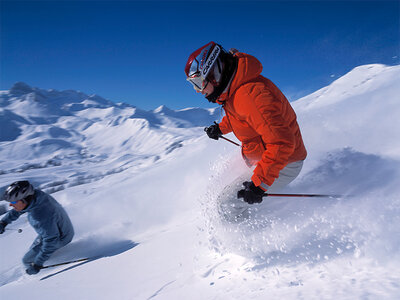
303	195
66	263
226	139
19	229
222	137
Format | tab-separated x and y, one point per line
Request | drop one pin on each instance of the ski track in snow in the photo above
143	191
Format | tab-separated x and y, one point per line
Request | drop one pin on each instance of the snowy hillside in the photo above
142	191
84	138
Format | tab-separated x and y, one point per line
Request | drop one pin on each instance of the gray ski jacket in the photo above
50	221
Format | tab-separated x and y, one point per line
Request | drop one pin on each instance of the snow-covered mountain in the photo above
48	128
142	189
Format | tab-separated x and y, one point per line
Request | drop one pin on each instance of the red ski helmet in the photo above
211	64
205	65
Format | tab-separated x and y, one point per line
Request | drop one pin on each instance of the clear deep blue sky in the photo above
135	52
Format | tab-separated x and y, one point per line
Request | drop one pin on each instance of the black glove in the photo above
213	131
33	269
2	227
251	193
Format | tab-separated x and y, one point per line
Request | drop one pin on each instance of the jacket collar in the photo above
32	203
248	69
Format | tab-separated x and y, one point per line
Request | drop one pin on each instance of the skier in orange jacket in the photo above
256	111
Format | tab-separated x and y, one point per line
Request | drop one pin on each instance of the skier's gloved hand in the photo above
251	193
2	227
213	131
33	269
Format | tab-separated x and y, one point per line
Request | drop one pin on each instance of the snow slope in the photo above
141	189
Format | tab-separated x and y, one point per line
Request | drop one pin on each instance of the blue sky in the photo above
135	51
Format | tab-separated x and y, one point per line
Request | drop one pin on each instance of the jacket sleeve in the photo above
225	125
11	216
264	113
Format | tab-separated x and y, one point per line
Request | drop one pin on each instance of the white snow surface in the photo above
141	189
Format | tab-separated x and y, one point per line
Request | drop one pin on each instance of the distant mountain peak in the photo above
21	88
162	109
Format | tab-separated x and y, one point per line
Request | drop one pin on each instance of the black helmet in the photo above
210	64
18	190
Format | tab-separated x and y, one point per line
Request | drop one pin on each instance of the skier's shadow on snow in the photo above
105	250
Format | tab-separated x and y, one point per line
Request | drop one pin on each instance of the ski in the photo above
66	263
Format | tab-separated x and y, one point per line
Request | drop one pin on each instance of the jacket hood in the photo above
248	69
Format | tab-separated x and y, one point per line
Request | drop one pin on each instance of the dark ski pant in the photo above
30	256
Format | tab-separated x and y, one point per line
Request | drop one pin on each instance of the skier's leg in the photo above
286	176
236	209
32	252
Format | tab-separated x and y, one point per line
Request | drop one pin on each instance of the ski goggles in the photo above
198	82
15	202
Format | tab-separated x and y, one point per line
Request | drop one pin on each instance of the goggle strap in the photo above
210	61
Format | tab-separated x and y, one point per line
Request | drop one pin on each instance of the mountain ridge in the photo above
57	128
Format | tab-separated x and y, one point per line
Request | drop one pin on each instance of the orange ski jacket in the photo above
262	118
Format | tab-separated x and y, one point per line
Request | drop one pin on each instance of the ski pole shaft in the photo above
222	137
19	229
65	263
303	195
